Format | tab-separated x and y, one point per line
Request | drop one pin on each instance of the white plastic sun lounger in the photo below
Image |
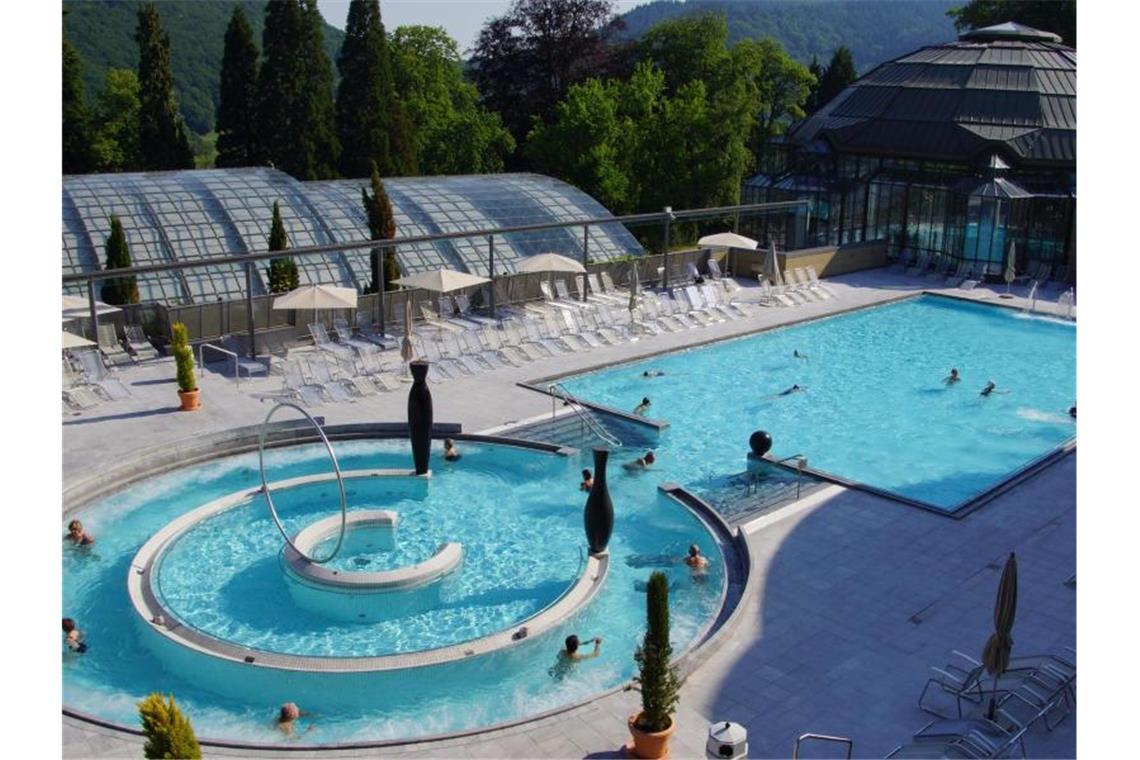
344	337
803	285
321	376
463	308
599	293
359	384
611	289
696	309
817	283
716	296
298	386
99	377
138	345
451	350
571	327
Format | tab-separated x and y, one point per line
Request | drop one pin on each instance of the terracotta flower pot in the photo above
191	400
648	744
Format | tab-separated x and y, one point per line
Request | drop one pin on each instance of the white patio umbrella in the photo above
1010	273
550	262
727	240
316	297
772	266
441	280
78	307
71	340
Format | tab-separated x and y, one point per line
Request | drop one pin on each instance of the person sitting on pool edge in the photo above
642	408
76	534
695	560
641	463
73	636
450	453
953	377
587	481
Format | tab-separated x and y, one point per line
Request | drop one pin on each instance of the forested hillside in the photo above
873	30
102	31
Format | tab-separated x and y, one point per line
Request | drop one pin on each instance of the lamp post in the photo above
491	270
665	252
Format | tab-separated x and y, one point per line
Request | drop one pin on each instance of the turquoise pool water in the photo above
518	513
875	410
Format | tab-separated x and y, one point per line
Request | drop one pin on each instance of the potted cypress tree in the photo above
168	731
660	688
184	360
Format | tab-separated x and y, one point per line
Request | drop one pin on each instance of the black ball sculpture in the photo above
760	442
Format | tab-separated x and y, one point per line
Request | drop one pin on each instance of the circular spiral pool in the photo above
516	513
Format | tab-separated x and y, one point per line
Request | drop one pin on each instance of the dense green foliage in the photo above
237	106
103	34
168	731
526	60
874	30
660	686
162	134
283	274
77	155
454	134
682	130
115	143
118	290
370	119
296	117
1057	16
832	79
381	226
183	358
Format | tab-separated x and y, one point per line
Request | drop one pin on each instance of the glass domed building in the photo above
966	150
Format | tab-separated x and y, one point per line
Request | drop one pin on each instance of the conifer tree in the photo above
77	154
237	107
168	731
296	115
381	226
365	99
162	133
119	290
283	275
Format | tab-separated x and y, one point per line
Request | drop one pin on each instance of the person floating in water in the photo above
570	655
73	637
76	534
450	453
641	463
991	386
696	561
952	378
796	353
790	391
652	373
587	481
643	407
1073	411
287	718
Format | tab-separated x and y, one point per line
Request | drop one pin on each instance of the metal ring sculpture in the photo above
265	484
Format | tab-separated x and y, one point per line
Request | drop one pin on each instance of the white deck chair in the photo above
688	298
367	331
592	321
535	335
614	290
775	293
451	350
572	327
322	341
715	295
556	329
691	271
617	319
920	265
321	376
360	384
815	284
669	308
514	333
565	297
599	293
98	377
492	340
463	308
298	386
804	286
344	337
698	298
138	344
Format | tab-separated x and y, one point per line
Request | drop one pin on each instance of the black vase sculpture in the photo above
420	417
599	512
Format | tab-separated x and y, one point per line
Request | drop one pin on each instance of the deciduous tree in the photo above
116	135
237	105
162	133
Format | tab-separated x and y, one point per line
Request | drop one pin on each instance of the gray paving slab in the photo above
857	596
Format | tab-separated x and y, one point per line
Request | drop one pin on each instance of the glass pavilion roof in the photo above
215	213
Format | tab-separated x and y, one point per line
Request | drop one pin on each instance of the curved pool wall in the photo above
414	707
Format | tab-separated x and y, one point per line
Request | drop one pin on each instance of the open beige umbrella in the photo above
316	297
441	280
78	307
71	340
996	654
550	262
727	240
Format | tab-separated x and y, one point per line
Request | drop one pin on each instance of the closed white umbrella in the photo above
727	240
772	266
71	340
441	280
1010	273
407	353
550	262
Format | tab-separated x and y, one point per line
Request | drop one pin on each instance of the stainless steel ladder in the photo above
585	416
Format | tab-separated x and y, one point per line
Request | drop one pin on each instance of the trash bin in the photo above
727	740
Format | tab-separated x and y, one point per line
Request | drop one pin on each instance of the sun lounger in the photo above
565	298
112	349
816	283
344	337
367	330
715	295
138	345
321	375
921	264
98	377
802	285
323	342
599	293
905	260
463	308
611	289
300	388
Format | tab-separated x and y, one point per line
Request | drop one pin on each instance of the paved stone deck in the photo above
858	596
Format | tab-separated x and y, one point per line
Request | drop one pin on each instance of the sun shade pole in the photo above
585	258
91	307
249	308
491	270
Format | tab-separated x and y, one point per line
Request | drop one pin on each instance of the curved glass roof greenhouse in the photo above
215	213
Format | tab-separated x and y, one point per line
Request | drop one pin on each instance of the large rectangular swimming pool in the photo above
875	409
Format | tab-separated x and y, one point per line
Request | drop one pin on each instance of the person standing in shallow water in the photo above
952	378
587	481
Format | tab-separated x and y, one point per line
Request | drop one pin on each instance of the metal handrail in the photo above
823	738
584	414
237	367
801	462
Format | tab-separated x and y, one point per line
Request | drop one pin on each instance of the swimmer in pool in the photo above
991	386
287	718
587	481
1073	411
796	353
696	560
73	637
652	373
450	453
76	534
641	463
643	407
952	378
790	391
570	655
